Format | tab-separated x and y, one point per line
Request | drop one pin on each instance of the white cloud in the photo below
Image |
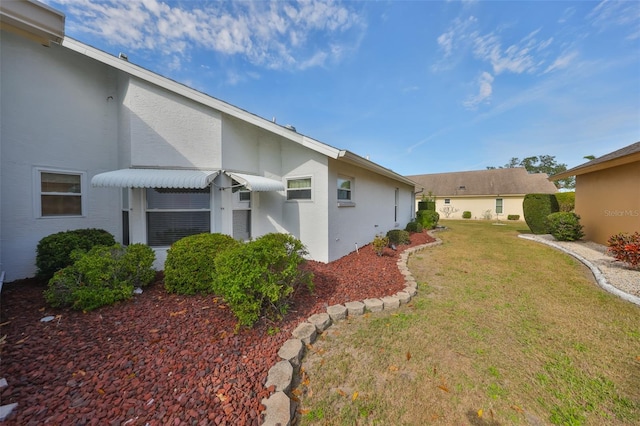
517	58
617	14
485	89
562	61
292	35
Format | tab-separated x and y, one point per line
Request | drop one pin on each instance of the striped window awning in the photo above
155	178
256	183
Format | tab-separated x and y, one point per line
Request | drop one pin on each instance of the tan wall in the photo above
608	201
478	205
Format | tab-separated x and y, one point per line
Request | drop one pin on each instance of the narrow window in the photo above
299	189
176	213
498	205
60	193
447	200
396	203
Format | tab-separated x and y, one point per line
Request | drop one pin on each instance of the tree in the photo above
541	164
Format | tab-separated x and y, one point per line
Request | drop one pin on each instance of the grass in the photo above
503	331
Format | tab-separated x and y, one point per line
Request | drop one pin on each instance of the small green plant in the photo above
53	252
190	267
260	277
413	226
379	243
466	214
398	236
428	218
513	217
625	248
565	226
101	276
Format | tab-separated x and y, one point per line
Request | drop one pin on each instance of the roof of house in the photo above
628	154
33	27
509	181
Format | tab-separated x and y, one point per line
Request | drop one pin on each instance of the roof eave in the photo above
33	20
356	160
590	168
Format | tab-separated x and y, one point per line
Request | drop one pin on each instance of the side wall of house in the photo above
374	208
57	115
608	201
478	206
248	149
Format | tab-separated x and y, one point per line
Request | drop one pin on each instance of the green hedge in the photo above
190	267
565	226
427	218
566	201
536	208
398	236
101	276
413	226
466	214
53	252
259	277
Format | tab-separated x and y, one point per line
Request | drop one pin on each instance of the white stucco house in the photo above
90	140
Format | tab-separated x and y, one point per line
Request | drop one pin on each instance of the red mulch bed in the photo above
162	359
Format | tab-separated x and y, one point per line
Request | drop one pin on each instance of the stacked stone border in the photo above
279	407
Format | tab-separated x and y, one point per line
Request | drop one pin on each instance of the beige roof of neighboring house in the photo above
628	154
509	181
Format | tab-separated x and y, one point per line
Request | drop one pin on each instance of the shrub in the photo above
536	208
101	276
487	215
379	243
413	226
428	218
566	201
625	248
53	252
260	277
398	236
466	214
190	267
513	217
565	226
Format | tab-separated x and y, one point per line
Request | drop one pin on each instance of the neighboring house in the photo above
608	193
487	194
89	140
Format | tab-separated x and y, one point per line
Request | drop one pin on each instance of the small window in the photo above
447	200
60	193
299	189
498	205
345	186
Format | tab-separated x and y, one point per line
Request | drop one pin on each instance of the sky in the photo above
415	86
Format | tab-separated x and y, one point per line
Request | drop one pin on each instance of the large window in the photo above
299	189
498	205
176	213
60	193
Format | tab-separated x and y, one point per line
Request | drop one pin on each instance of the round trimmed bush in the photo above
413	226
190	266
466	214
53	252
398	236
565	226
536	208
428	218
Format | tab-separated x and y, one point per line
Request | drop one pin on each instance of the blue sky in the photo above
418	87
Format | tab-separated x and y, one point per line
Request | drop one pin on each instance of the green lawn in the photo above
503	331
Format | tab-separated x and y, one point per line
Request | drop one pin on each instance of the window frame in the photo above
287	190
346	202
447	201
150	211
38	193
501	205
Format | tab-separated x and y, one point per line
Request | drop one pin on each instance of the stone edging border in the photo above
597	273
280	411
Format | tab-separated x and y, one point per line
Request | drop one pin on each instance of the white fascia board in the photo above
33	19
355	159
202	98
